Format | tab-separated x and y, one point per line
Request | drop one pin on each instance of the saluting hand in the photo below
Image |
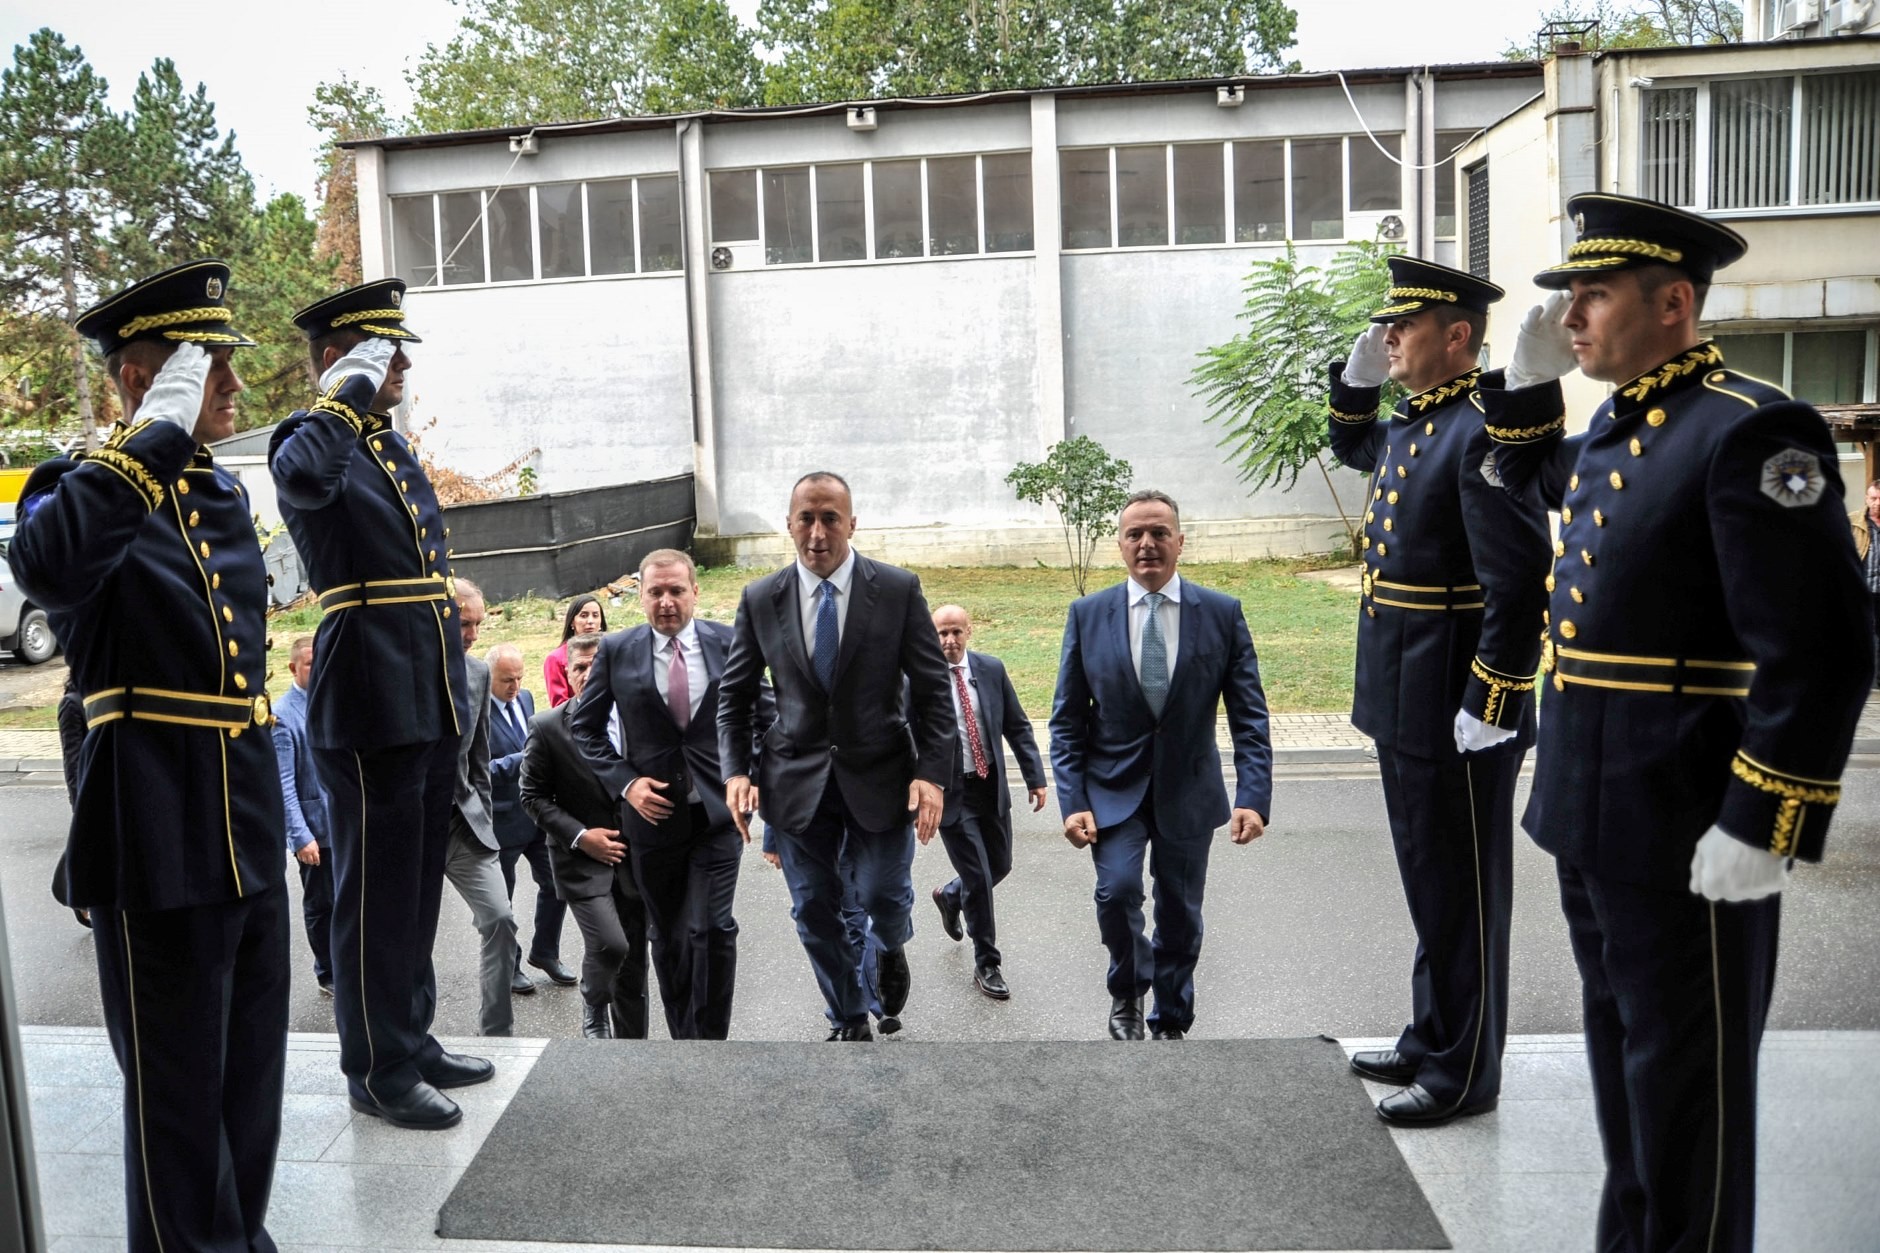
1369	365
1081	829
602	844
1543	348
175	394
926	802
370	357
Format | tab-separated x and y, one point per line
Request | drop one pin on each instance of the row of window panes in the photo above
1812	139
875	210
1821	367
1270	190
556	230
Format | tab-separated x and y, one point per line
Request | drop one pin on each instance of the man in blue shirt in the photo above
307	830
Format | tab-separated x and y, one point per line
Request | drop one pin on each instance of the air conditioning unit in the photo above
739	256
1848	17
1386	225
1794	17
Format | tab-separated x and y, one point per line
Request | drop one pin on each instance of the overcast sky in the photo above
261	70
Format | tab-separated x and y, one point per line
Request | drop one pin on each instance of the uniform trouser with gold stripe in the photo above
390	814
1452	823
195	1002
1675	992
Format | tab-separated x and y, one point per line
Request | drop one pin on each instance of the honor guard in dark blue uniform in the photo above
386	699
144	553
1448	644
1707	659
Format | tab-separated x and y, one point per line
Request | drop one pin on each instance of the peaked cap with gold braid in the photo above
1624	232
1416	285
373	309
183	304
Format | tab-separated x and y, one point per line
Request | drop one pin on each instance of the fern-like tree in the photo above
1086	486
1266	386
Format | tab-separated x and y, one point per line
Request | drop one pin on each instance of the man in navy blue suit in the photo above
511	707
1138	770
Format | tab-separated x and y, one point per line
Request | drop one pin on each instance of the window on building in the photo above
1007	182
659	224
1260	192
1142	196
1823	367
414	239
1200	202
1447	175
952	206
1768	143
1477	178
841	217
610	226
734	205
512	251
561	239
1318	189
460	214
787	238
1084	182
1376	179
898	228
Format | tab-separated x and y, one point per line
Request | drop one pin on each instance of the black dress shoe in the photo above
1383	1066
1169	1033
1126	1018
894	979
556	971
887	1024
595	1022
949	915
423	1108
326	988
860	1032
454	1070
989	980
520	984
1415	1107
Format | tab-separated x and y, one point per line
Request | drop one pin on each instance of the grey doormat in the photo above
1200	1145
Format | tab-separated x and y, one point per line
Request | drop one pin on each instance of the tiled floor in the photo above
1525	1177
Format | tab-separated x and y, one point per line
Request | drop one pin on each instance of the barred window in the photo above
1477	176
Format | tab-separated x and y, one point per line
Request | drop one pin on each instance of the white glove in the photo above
175	395
1726	869
370	357
1543	348
1369	365
1473	735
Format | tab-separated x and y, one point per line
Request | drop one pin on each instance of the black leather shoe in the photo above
595	1023
887	1024
949	915
423	1108
556	971
989	980
326	988
1415	1107
1383	1066
1169	1033
454	1070
894	979
520	984
851	1033
1126	1018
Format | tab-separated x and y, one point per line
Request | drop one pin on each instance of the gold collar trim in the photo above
1673	374
1446	392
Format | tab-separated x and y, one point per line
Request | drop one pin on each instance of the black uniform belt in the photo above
1415	596
190	709
386	592
1672	676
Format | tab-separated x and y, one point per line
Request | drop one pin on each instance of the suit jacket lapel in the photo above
982	710
786	598
713	650
862	594
1119	610
1190	634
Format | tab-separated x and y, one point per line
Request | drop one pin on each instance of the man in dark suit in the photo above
580	818
1145	664
840	634
976	815
661	684
511	707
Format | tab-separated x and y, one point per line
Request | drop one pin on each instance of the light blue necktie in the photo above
827	645
1154	656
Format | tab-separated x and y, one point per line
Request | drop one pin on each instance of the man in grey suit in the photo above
844	762
472	864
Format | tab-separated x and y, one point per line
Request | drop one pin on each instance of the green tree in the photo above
60	150
183	189
1637	24
344	111
1086	486
702	57
1267	385
280	271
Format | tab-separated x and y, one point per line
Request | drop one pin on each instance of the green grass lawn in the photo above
1302	629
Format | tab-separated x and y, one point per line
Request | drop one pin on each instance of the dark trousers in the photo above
316	910
883	888
1452	824
390	812
1675	991
688	887
550	909
1876	643
1178	865
195	1003
860	933
979	845
613	952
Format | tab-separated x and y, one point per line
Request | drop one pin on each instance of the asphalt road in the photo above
1307	933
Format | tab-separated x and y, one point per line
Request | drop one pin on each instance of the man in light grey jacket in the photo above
472	865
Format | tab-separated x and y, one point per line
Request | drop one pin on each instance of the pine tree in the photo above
280	272
343	111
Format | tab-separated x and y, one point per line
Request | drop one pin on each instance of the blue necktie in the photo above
1154	656
827	645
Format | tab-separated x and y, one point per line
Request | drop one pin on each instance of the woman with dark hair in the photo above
585	617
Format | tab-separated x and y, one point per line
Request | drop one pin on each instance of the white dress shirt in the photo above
809	584
1170	618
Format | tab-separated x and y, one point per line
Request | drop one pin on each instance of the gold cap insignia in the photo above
214	289
397	298
1579	225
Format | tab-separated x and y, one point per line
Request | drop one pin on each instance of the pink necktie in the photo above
678	687
972	721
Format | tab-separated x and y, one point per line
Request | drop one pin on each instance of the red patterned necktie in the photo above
679	686
972	722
